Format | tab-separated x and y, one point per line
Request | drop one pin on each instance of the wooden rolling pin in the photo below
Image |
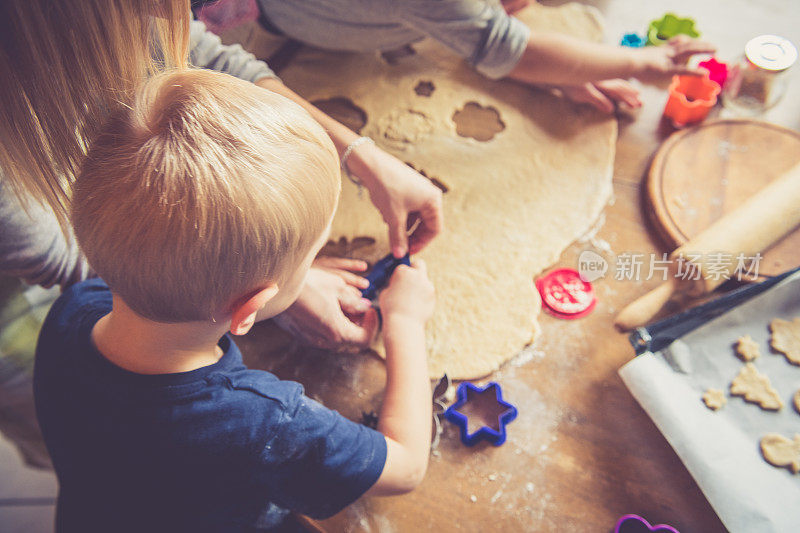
749	229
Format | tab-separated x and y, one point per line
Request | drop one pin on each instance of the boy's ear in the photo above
243	314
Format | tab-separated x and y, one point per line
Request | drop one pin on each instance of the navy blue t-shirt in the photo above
220	448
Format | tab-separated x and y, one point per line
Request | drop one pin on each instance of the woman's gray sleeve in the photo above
33	247
207	51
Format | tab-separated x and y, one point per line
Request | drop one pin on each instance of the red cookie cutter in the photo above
690	99
565	295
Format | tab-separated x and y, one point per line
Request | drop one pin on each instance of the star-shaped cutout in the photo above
481	413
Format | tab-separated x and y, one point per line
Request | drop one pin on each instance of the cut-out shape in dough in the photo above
406	126
756	388
439	185
393	57
424	88
747	348
478	122
797	401
781	452
786	338
714	399
347	248
343	110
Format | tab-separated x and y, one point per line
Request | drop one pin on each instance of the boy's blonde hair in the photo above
66	65
204	190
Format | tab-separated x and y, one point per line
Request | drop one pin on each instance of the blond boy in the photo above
202	207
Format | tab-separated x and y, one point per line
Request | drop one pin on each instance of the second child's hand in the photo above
330	313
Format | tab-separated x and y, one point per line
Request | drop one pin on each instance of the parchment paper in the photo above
721	449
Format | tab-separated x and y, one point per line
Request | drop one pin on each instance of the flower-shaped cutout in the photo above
663	29
481	413
633	40
690	99
633	523
717	70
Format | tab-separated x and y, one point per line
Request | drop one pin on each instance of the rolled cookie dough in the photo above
786	338
714	399
780	451
756	388
513	203
747	348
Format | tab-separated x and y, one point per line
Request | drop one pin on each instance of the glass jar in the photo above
758	80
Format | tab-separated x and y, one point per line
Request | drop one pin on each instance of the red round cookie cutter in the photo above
565	295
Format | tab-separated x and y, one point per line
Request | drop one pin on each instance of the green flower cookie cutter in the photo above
663	29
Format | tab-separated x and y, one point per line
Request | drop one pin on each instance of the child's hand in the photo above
410	294
659	62
604	95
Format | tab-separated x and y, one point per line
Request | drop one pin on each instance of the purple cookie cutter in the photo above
633	523
495	436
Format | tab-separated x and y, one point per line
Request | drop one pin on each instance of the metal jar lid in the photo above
771	52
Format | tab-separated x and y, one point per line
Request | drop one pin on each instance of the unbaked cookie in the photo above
747	348
714	399
797	401
786	338
756	388
780	451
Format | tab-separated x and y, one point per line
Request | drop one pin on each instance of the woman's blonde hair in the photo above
65	65
207	188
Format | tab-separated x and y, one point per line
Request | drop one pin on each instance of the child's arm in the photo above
552	58
405	418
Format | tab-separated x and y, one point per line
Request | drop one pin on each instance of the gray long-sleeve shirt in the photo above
32	245
479	31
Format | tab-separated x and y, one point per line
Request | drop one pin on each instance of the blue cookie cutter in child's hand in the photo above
495	436
380	274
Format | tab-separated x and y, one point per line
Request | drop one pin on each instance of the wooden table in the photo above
581	452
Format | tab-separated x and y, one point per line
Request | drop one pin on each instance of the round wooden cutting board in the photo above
701	173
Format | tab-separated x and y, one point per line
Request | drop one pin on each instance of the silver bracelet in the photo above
347	151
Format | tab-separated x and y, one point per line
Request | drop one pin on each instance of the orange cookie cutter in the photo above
690	99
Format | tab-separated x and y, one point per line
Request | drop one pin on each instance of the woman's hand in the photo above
330	313
402	195
406	199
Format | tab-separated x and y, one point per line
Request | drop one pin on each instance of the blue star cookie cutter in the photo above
380	274
504	411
